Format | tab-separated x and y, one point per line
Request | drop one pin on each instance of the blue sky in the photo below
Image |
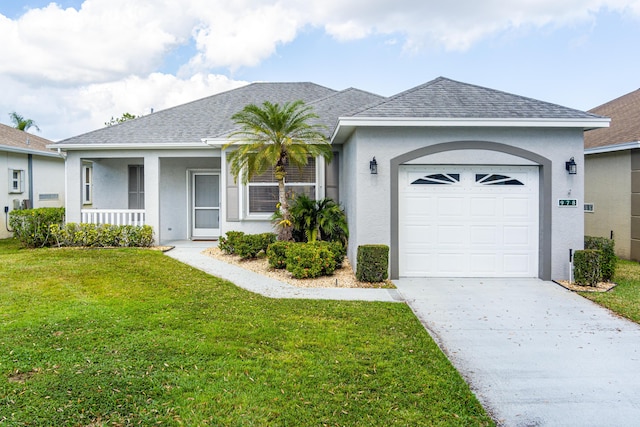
72	64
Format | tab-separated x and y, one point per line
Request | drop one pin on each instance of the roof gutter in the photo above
30	151
127	146
613	148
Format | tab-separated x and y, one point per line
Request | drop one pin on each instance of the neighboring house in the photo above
468	179
33	175
612	176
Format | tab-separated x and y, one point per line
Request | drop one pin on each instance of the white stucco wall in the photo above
48	178
367	197
608	187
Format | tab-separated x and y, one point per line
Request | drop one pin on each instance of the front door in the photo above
205	201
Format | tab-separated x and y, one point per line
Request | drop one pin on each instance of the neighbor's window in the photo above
263	189
16	181
87	184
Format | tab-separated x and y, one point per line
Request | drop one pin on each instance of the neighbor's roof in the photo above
191	122
625	122
16	140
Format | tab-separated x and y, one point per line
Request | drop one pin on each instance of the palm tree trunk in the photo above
285	229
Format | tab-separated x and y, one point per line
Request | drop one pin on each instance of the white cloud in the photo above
62	112
78	67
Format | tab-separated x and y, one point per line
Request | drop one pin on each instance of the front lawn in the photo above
131	337
624	299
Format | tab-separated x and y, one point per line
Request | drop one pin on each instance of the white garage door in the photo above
468	221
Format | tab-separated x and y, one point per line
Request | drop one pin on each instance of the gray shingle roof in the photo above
195	120
445	98
625	122
15	138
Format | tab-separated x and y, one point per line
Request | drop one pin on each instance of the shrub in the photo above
250	245
228	244
608	257
586	267
277	254
336	248
102	235
32	227
314	220
373	263
309	261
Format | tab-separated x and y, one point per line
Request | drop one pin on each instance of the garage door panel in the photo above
484	235
517	236
451	206
451	263
483	264
516	207
484	206
483	222
451	234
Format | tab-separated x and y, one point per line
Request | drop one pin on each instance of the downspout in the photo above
30	169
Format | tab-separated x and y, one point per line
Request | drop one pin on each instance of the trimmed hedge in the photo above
586	267
306	260
373	263
608	257
32	227
102	235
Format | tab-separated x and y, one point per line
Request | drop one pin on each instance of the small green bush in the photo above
373	263
228	244
608	257
586	267
250	245
32	227
102	235
336	248
277	254
308	261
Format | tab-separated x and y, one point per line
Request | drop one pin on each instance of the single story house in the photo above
470	181
612	176
34	174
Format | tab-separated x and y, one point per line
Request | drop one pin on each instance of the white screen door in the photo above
205	220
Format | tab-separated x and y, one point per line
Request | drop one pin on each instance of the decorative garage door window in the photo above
496	179
438	179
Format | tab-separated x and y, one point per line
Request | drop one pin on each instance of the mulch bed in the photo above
600	287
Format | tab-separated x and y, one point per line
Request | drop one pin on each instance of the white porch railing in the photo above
113	216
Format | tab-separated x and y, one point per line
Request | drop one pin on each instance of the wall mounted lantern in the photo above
373	166
571	166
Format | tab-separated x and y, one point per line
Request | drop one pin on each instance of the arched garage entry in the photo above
543	200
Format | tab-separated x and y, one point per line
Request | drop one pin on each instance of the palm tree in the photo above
21	123
278	136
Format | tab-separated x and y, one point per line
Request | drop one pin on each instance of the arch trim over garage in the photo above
544	233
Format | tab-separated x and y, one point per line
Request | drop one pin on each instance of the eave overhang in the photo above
12	149
128	146
346	125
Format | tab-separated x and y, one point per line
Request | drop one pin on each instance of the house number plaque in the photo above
568	203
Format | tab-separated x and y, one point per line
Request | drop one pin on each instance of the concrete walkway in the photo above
534	353
190	253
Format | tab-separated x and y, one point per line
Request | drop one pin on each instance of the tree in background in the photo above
21	123
124	118
278	136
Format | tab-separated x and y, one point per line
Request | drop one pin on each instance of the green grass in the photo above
624	299
132	337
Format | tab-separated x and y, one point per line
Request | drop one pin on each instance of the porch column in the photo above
152	193
73	187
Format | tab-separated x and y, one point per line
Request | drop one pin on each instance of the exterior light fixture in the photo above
571	166
373	166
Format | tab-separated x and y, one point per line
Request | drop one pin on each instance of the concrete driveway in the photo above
534	353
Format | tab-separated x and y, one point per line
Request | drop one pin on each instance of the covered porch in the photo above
176	192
